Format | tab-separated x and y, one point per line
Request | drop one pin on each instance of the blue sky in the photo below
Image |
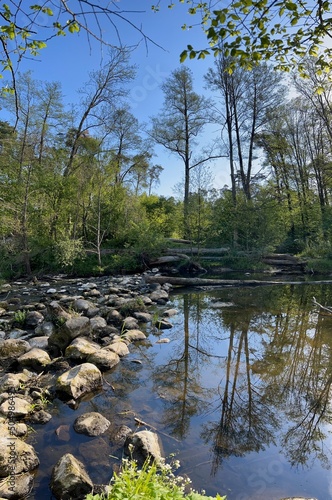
69	60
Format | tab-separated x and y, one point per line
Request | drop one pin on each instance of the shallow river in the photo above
241	394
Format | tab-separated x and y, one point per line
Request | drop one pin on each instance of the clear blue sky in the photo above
69	60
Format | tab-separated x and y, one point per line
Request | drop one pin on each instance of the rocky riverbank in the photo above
58	339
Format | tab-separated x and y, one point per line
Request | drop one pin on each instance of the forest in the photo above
78	183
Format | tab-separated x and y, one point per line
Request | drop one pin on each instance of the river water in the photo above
241	394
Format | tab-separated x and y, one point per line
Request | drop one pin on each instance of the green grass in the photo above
153	481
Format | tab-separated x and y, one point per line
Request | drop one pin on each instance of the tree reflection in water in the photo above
269	356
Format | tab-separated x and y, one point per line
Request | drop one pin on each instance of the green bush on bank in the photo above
153	481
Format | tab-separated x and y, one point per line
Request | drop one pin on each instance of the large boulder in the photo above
18	453
70	479
80	380
74	327
92	424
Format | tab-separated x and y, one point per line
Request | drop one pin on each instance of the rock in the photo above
163	324
114	317
98	324
143	317
92	312
146	300
82	305
104	359
119	435
57	313
92	424
13	381
146	446
39	342
119	347
70	479
15	407
33	319
16	486
163	341
170	312
9	428
134	335
92	293
13	348
98	452
74	327
18	333
130	323
159	296
80	348
63	433
35	359
80	380
23	455
40	417
46	328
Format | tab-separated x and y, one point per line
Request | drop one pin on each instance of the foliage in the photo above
68	250
250	31
20	317
132	306
319	266
152	481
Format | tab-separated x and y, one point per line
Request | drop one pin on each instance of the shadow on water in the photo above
241	393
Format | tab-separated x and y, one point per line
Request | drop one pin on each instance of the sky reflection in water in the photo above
241	393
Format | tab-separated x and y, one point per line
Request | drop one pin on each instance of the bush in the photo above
152	481
68	250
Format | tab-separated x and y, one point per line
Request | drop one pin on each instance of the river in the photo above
241	394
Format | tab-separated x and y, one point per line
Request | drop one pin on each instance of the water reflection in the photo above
255	366
241	392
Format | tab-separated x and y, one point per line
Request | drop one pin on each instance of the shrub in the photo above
152	481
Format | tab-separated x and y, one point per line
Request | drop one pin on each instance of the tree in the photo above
247	97
100	95
27	27
183	118
283	31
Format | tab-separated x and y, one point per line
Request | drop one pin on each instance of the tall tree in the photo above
100	96
247	98
184	115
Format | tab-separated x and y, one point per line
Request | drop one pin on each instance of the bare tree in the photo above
183	118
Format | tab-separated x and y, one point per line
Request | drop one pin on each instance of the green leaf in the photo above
73	27
183	56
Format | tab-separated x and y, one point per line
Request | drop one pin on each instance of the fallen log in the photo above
200	251
282	262
167	259
177	281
